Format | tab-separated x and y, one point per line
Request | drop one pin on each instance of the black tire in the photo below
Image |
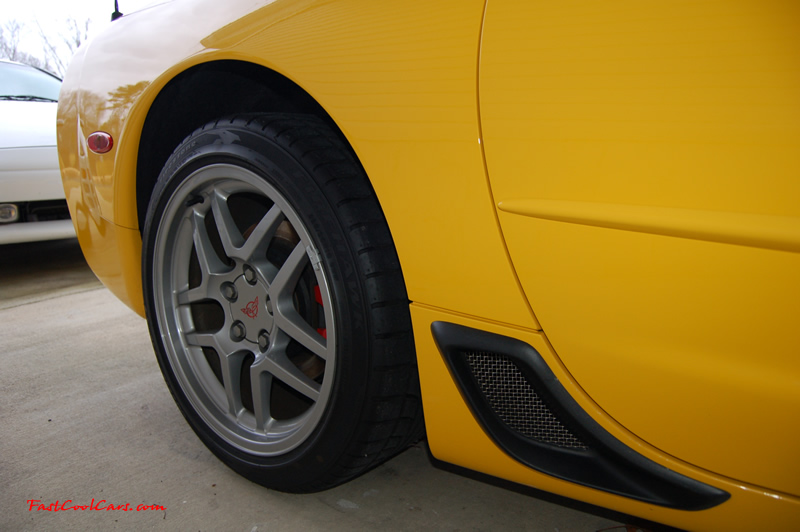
276	304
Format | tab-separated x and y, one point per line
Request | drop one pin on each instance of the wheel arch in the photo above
205	92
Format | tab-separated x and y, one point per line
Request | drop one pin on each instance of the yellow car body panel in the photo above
414	127
626	173
645	161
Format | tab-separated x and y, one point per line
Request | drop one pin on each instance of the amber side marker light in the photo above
100	142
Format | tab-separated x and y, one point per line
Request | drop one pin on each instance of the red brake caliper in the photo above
318	298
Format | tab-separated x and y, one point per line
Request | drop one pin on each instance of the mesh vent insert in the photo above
516	403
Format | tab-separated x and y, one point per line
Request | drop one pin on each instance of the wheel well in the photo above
206	92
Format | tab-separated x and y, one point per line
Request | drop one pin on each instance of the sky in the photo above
51	15
57	10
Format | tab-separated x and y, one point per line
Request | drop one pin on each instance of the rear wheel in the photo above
276	304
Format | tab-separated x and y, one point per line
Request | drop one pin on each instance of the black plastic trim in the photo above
607	464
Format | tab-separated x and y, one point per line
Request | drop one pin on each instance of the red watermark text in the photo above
103	505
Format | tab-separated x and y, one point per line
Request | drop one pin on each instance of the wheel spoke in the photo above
291	323
231	366
210	263
261	384
287	318
287	276
194	295
230	363
208	289
203	340
230	236
259	239
277	364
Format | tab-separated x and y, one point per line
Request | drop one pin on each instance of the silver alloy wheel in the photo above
244	308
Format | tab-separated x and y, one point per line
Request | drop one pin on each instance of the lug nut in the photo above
249	274
229	292
263	340
238	331
269	305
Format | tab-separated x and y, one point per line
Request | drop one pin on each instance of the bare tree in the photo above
10	36
60	53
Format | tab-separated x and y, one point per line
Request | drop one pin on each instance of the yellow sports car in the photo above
568	232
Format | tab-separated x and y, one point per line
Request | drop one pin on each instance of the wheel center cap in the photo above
252	308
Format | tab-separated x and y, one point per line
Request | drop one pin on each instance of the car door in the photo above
644	160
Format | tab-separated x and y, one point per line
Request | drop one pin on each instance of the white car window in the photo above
22	82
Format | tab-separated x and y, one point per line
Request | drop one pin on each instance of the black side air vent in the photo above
512	398
528	413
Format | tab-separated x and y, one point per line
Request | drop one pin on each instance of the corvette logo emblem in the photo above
251	309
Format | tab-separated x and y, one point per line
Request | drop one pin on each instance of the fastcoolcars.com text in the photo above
35	505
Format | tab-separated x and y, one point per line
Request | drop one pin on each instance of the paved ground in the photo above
85	415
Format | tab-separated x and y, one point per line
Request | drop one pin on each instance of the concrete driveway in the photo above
86	417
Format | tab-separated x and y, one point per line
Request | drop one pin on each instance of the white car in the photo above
32	202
